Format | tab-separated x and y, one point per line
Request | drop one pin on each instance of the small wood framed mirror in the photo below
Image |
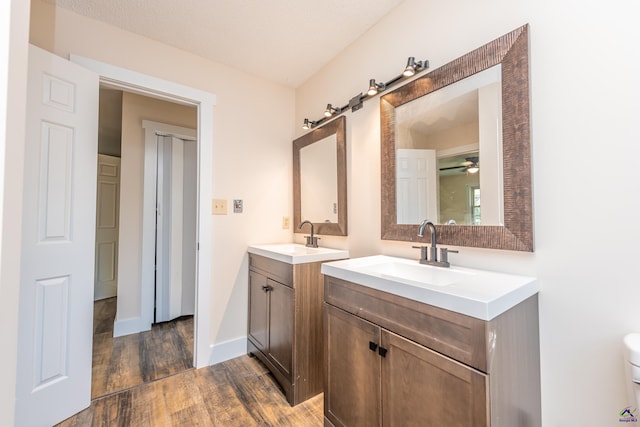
320	179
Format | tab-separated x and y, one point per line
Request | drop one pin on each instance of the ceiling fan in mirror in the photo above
469	165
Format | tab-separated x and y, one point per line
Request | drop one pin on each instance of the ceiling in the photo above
284	41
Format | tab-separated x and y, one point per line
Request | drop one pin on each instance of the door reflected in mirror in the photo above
449	152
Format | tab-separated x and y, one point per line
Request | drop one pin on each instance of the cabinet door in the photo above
352	370
423	388
258	310
281	326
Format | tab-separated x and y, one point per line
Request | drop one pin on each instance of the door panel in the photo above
107	216
424	388
281	325
258	310
52	311
58	241
352	370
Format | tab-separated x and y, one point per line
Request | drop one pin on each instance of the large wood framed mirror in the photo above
320	179
456	149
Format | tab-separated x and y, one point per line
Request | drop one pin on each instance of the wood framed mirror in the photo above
513	230
320	179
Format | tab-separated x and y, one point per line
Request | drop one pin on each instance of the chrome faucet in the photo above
431	257
434	250
312	241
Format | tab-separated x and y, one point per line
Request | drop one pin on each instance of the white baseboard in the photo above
129	326
227	350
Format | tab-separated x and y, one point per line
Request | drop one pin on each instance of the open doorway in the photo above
168	347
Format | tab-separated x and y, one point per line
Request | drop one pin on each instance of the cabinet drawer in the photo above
280	271
460	337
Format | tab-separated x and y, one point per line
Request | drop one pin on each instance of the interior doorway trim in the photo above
143	84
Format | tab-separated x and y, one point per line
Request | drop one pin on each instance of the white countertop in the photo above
295	253
477	293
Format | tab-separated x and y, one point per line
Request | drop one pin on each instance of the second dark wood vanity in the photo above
390	360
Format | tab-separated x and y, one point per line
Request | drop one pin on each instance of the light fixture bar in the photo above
413	67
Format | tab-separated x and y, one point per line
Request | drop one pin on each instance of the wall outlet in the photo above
285	222
219	207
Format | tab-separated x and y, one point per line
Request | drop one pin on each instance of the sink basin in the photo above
478	293
294	253
418	275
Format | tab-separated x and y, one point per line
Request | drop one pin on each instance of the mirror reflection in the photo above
501	203
319	181
449	154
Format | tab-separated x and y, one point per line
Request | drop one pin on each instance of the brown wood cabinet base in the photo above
284	382
394	361
285	324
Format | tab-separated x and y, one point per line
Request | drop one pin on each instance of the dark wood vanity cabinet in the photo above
393	361
271	320
285	323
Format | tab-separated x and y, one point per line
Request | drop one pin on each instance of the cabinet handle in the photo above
382	351
372	346
267	288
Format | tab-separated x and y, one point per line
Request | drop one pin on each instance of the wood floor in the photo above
128	361
238	392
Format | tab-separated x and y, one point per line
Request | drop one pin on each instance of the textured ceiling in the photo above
285	41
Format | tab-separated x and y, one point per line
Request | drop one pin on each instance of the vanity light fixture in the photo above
331	110
355	103
413	67
374	87
308	124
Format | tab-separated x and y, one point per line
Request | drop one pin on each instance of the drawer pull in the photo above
382	352
372	346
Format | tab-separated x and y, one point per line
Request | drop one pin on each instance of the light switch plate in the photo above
285	222
219	207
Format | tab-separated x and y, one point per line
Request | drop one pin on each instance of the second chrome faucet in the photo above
431	257
312	241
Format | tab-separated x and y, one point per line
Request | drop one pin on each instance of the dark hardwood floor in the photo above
131	360
134	385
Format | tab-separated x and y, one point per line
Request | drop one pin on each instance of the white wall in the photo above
14	24
253	131
585	107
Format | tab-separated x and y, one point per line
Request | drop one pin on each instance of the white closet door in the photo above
175	228
58	241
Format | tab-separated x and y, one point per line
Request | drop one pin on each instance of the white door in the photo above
417	186
107	211
175	228
58	237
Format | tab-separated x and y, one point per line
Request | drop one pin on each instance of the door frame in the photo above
204	102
